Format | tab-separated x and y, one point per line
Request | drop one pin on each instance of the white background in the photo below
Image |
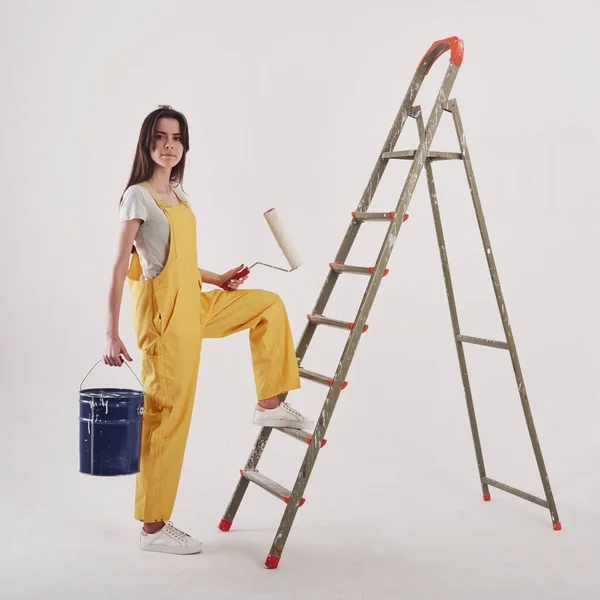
288	106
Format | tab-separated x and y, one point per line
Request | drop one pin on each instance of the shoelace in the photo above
174	532
291	410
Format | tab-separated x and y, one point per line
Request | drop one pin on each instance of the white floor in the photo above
395	512
463	551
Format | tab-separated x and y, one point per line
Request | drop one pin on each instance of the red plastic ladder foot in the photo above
224	525
487	497
557	526
272	562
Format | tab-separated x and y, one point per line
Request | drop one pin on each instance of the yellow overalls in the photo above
171	315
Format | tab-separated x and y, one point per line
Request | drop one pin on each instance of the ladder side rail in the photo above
453	312
452	106
312	452
362	315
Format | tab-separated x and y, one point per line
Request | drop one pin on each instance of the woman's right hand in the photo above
113	350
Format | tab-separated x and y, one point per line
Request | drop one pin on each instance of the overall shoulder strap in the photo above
181	198
161	203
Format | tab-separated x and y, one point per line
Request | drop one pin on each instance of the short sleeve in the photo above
133	206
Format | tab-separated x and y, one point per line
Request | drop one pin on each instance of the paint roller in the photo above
283	241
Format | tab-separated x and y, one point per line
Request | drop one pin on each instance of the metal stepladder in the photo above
421	158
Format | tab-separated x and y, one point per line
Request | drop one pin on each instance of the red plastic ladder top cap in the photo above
456	47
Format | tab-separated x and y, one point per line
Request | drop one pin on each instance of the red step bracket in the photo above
302	501
309	440
351	326
385	272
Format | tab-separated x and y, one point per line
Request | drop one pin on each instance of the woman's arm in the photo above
225	279
210	277
114	346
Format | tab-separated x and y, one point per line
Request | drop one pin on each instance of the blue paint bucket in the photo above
110	429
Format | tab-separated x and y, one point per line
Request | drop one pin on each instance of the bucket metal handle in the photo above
101	360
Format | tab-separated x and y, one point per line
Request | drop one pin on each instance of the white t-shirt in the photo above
153	236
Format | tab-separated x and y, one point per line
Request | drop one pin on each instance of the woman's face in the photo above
168	148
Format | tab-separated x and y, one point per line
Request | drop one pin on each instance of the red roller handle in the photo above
245	271
454	44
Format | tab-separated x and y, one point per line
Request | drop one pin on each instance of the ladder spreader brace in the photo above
421	158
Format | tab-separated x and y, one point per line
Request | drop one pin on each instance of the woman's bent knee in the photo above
268	298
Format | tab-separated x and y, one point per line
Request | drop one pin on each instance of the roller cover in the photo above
282	239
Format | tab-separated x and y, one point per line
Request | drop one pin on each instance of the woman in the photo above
171	315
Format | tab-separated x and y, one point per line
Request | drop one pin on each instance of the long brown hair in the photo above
143	165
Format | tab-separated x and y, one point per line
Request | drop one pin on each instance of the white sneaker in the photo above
282	416
169	539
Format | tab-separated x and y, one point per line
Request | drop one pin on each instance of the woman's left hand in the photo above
229	281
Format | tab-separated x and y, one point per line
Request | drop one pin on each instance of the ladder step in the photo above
299	434
376	216
318	377
268	484
410	154
342	268
321	320
482	342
